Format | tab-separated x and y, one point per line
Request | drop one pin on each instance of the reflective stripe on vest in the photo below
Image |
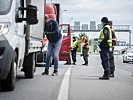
101	37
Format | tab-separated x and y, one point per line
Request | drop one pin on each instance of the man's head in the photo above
74	38
104	20
84	36
110	23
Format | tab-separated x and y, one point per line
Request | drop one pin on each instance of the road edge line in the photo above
63	93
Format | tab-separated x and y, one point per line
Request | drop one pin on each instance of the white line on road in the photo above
129	66
63	93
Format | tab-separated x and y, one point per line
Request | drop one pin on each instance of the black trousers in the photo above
73	53
104	54
111	61
85	54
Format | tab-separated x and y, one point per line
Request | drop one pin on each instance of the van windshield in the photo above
5	6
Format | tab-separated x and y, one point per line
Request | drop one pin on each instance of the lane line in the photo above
63	93
129	66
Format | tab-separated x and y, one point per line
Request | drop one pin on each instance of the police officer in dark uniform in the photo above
74	50
111	55
105	42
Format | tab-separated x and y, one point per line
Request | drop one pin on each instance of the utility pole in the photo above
130	39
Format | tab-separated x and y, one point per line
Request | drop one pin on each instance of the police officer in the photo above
85	49
74	50
105	42
111	55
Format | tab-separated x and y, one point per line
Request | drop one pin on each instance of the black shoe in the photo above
84	64
46	72
104	77
67	64
74	63
111	75
55	73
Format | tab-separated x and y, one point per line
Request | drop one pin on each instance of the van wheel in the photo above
29	66
9	83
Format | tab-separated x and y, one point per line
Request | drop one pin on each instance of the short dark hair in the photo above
104	19
74	38
110	23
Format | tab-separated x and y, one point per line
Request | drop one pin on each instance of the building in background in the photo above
84	26
99	26
92	25
77	25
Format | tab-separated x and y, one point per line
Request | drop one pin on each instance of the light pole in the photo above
130	39
65	10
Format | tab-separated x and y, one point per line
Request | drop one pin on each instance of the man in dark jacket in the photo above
55	39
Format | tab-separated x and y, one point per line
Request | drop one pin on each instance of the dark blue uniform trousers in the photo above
73	53
104	54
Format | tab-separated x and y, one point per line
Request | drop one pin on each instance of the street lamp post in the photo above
130	39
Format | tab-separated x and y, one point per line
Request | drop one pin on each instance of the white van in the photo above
20	39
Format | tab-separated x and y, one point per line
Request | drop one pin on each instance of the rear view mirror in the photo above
31	14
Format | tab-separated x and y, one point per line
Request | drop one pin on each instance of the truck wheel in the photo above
9	83
29	65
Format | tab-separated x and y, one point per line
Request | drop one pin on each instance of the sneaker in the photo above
46	72
55	73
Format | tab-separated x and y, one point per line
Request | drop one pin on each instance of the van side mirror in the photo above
31	14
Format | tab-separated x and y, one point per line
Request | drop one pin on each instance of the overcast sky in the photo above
119	11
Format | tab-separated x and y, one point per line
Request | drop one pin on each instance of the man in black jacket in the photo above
55	39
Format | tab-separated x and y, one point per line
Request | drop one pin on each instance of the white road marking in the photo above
63	93
129	66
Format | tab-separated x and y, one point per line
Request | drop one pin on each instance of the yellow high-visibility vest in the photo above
101	37
74	44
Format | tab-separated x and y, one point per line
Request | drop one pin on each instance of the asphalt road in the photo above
76	82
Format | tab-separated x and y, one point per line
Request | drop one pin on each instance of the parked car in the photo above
128	56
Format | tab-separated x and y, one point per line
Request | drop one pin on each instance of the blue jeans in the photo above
53	49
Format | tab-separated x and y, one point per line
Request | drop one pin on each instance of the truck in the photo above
21	34
53	10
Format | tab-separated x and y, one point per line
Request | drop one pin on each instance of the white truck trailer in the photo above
21	33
